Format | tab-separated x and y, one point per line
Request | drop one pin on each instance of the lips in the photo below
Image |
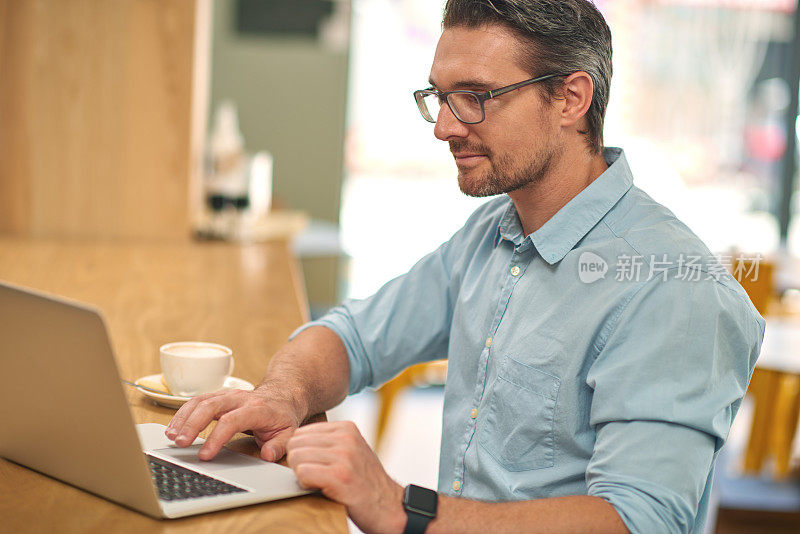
468	159
468	155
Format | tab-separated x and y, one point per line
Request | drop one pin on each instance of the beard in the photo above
503	175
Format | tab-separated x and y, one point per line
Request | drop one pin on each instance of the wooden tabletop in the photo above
248	297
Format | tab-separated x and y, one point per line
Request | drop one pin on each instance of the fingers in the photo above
200	415
335	458
329	431
338	445
231	422
274	449
311	455
319	476
340	435
328	427
306	439
185	411
325	471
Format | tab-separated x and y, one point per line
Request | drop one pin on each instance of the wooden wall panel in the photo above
96	117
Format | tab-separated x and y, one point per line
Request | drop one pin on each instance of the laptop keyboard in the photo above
175	482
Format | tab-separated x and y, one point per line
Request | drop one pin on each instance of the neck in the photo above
537	202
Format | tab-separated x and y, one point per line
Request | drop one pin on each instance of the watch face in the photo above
421	500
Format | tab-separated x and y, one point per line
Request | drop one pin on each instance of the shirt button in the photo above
456	485
515	271
488	342
473	413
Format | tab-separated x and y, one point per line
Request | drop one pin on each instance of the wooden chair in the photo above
421	374
775	393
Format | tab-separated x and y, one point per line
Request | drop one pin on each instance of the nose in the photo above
448	126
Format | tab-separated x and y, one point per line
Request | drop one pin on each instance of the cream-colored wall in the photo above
291	96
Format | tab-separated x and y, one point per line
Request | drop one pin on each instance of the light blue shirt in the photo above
605	354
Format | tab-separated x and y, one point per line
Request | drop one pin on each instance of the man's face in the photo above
518	141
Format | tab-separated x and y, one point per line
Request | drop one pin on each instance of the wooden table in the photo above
248	297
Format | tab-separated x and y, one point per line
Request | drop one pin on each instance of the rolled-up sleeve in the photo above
666	387
406	322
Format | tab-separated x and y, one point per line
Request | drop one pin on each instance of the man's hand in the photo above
335	458
272	417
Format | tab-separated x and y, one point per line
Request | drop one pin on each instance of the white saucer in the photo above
175	401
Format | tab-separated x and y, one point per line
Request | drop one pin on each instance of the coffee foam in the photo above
196	351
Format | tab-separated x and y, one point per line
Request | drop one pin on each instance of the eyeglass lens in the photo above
465	106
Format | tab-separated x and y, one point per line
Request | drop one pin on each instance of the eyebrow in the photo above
475	83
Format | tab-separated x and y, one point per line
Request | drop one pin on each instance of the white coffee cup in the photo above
195	367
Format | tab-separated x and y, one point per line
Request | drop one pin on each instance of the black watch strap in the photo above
420	505
417	523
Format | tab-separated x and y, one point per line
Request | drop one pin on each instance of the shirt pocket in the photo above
519	428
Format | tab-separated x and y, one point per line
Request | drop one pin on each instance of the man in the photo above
575	400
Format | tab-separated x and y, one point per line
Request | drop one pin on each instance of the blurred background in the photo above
251	120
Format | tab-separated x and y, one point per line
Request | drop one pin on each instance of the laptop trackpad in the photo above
226	459
153	440
266	477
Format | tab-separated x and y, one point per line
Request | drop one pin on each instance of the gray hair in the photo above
565	36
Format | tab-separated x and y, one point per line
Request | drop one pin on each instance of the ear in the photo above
577	97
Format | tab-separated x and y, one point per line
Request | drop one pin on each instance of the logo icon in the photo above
591	267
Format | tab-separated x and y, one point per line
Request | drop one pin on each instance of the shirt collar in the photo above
571	223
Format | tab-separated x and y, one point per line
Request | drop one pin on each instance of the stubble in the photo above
503	175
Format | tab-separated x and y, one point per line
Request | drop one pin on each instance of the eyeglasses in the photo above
467	106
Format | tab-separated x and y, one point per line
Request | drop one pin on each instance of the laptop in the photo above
64	414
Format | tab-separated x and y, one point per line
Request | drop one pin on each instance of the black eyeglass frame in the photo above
420	95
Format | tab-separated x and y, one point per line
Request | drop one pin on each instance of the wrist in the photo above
398	517
279	391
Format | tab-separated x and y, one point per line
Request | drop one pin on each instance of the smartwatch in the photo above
420	506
